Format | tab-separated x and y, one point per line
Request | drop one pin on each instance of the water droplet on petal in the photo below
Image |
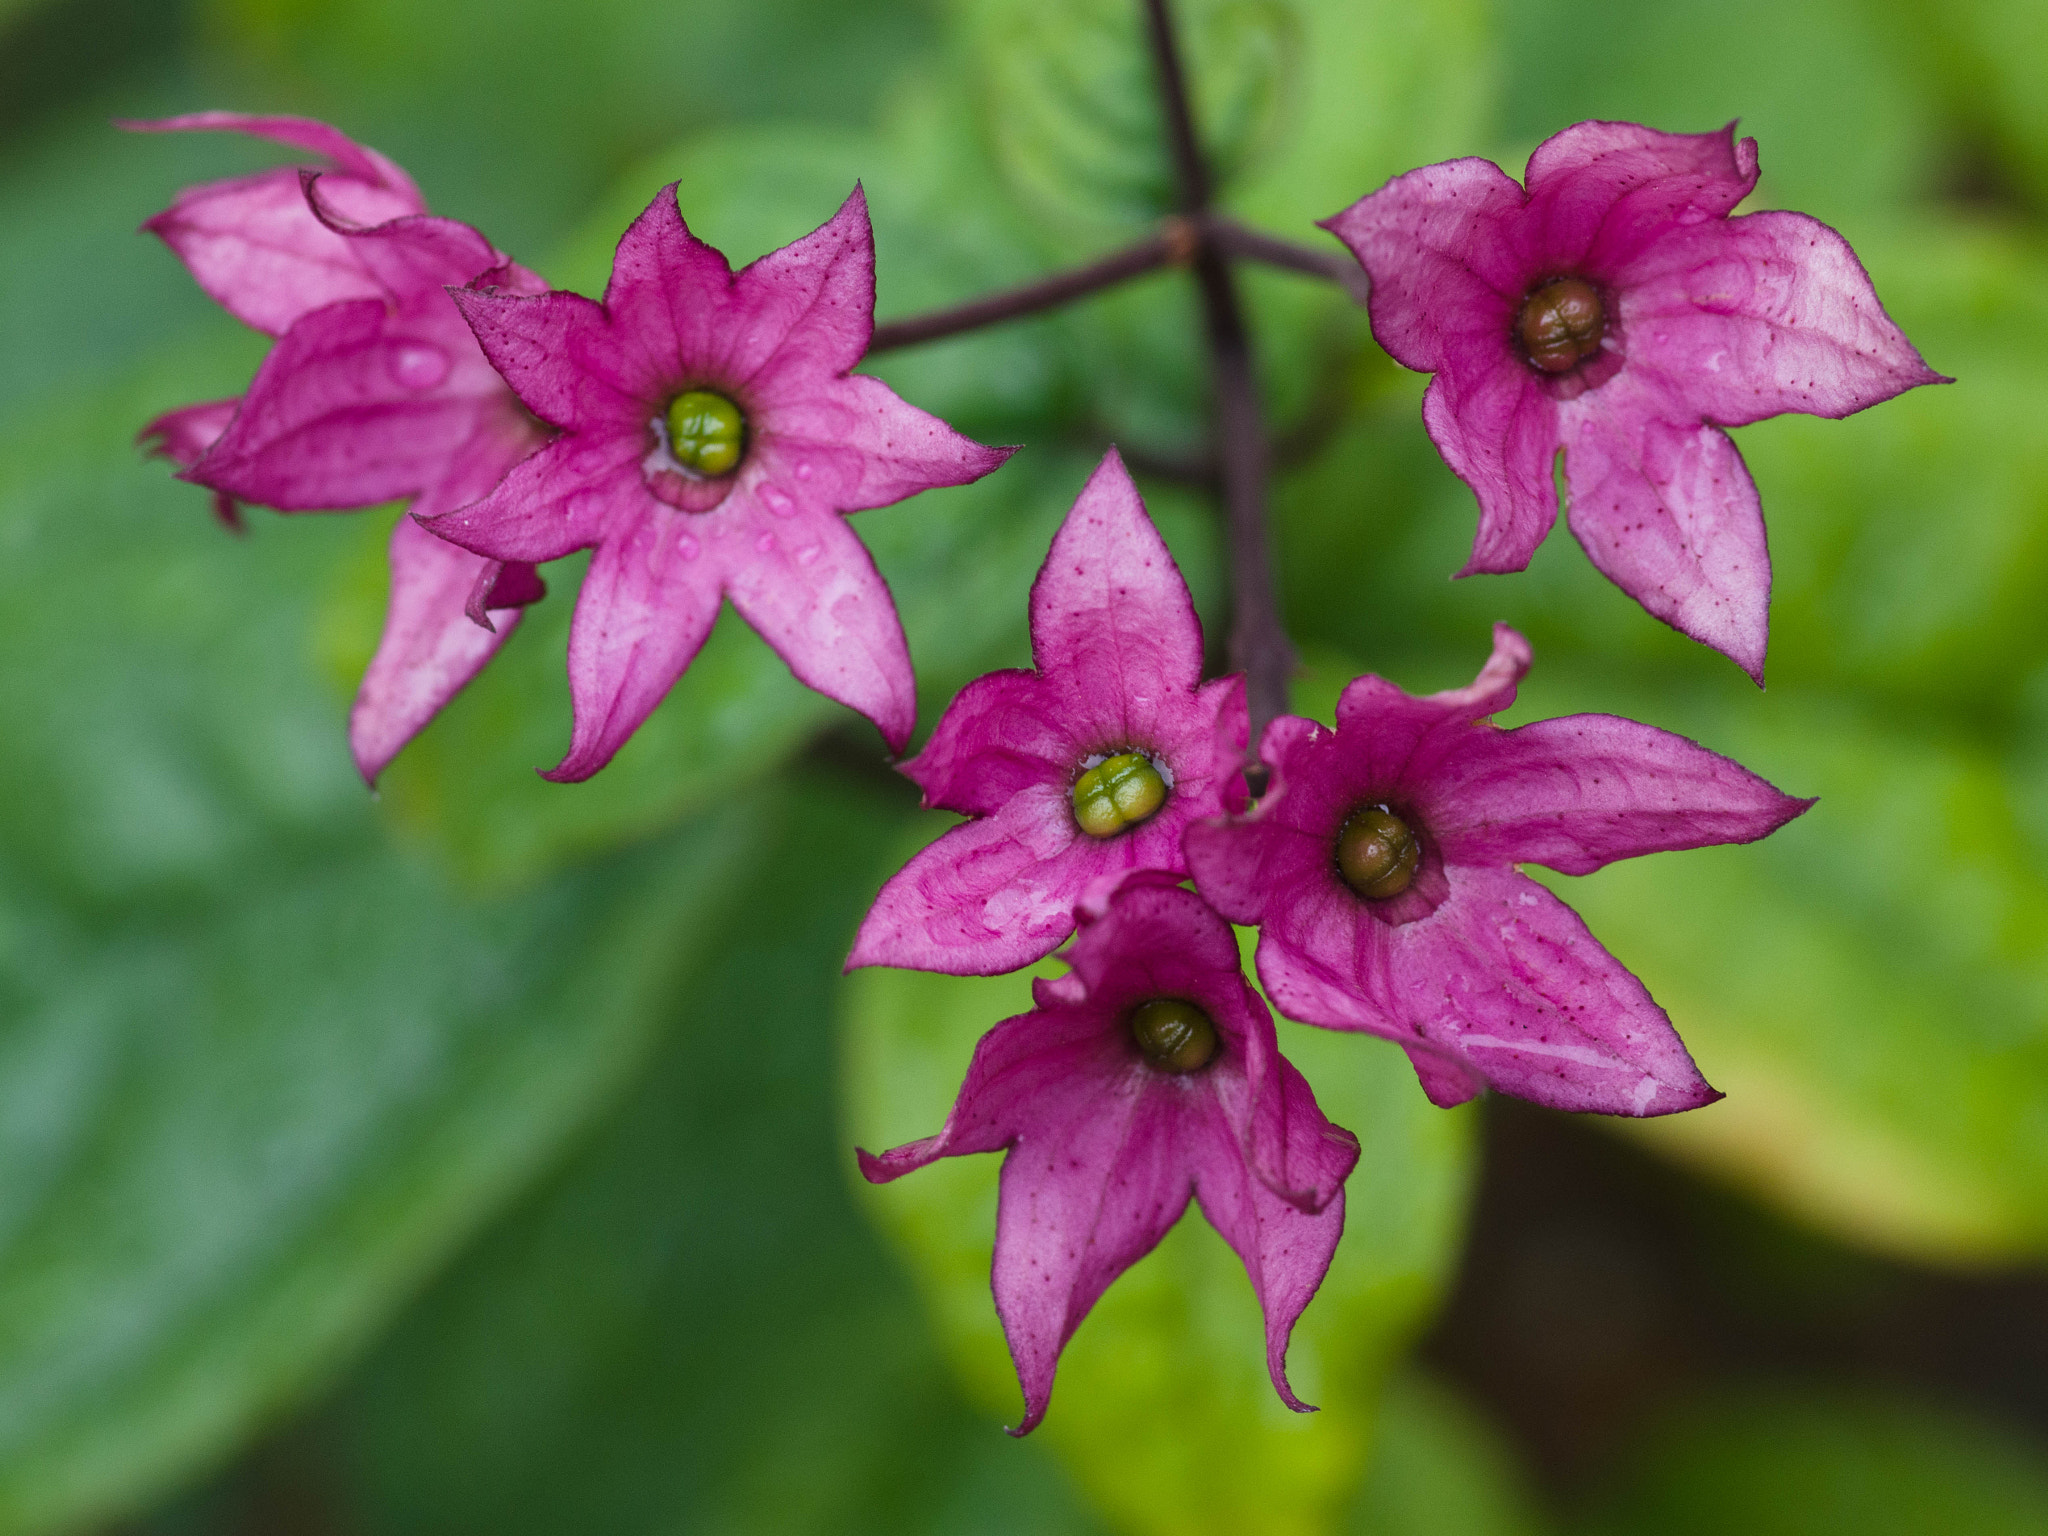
778	501
803	469
417	365
686	546
808	555
765	543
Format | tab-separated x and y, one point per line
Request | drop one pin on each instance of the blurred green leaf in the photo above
691	1328
1164	1412
1802	1462
1437	1470
259	1070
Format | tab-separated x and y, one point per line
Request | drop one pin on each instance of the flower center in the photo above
1174	1034
1117	793
706	433
1377	852
1561	324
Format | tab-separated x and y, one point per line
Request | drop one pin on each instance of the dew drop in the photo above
765	543
803	469
778	501
808	555
686	546
419	366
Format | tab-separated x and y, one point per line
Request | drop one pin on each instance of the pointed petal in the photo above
988	897
429	649
1579	792
647	603
1286	1251
411	255
1767	313
183	435
1001	735
1385	728
1505	981
1085	1195
808	308
564	497
1498	431
810	588
558	353
1110	615
1446	1084
1602	193
358	160
860	446
355	405
1441	247
672	307
1666	509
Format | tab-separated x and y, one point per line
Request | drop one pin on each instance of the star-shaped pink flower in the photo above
1614	310
375	389
783	439
1380	866
1148	1076
1119	652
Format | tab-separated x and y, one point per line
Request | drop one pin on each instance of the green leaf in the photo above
1439	1470
1164	1412
691	1328
261	1069
1808	1462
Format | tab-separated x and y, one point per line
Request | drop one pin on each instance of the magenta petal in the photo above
352	407
1497	429
1439	245
1763	314
810	588
557	352
1385	727
1109	609
672	309
865	445
646	606
1579	792
410	255
358	160
1600	193
1286	1251
183	435
988	897
1505	981
564	497
429	650
1665	507
1002	734
810	306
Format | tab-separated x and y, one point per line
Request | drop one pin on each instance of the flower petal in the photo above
1601	192
1441	248
1503	980
1111	618
355	405
1767	313
809	307
429	649
858	445
810	588
646	605
1001	735
990	896
1498	432
1582	791
674	316
357	160
1665	507
557	352
411	255
566	496
1385	727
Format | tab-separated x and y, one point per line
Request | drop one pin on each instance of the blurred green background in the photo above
478	1156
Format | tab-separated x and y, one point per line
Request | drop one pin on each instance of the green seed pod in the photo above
1561	324
1175	1035
1118	793
1377	853
706	433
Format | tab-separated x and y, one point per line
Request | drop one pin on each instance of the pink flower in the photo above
1615	311
375	389
712	436
1117	694
1148	1075
1381	865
